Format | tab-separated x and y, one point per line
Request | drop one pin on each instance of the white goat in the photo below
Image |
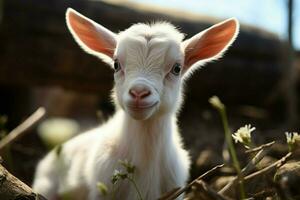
150	64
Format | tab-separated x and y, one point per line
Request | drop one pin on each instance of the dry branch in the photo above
207	192
12	188
274	166
249	167
23	128
261	147
177	193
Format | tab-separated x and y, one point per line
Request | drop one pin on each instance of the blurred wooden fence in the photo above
36	49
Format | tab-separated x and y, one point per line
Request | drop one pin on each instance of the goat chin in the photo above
150	62
139	113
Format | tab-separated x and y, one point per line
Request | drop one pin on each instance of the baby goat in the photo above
150	62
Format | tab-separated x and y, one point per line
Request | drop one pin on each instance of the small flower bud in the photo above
102	188
216	103
293	140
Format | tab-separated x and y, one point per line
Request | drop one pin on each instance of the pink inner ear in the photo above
96	40
210	43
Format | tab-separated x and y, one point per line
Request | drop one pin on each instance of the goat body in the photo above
150	63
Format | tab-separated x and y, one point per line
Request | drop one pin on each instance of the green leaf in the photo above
102	188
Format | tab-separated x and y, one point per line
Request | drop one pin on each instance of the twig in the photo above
249	167
168	194
22	128
177	193
275	165
260	147
209	192
266	192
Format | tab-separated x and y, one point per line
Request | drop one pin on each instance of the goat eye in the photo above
117	66
176	69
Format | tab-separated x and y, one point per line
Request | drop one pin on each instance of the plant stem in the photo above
136	187
232	151
113	192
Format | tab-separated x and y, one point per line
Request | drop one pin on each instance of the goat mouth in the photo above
142	106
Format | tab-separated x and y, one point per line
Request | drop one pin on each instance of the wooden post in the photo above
291	94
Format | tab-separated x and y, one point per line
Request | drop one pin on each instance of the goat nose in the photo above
139	92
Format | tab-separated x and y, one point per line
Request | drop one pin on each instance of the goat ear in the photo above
92	37
209	44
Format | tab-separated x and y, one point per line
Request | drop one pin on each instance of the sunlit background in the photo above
271	15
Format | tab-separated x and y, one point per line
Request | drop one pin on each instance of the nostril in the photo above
144	93
133	93
139	93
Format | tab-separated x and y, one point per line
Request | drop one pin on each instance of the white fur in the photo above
148	138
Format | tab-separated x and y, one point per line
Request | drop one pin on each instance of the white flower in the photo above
216	102
293	139
116	172
243	135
